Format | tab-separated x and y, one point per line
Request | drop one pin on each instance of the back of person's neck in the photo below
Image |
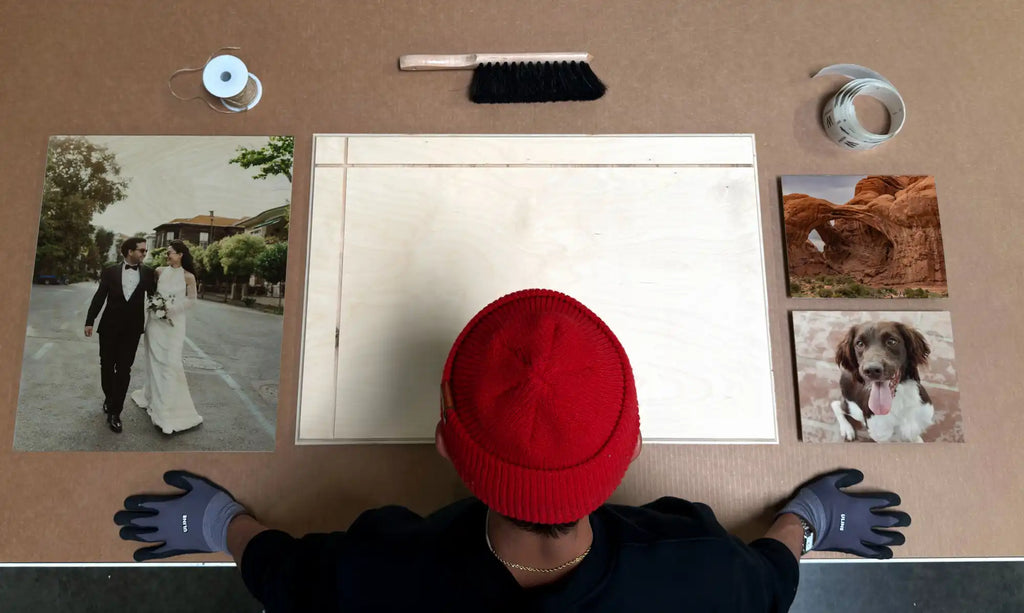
540	551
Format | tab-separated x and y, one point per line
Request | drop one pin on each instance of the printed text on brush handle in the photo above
472	60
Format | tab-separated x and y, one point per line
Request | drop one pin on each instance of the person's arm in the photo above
97	303
241	531
190	290
788	530
758	576
174	308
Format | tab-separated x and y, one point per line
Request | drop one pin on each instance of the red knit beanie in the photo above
539	412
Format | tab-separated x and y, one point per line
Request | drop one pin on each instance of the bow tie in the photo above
130	267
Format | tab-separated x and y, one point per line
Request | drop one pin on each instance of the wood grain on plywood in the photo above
317	401
669	256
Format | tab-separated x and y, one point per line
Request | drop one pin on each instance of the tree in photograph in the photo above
104	242
82	179
272	265
157	257
91	262
238	256
273	159
198	255
211	262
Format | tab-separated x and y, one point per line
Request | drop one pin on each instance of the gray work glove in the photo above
193	522
849	522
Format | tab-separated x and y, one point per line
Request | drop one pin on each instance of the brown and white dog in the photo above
881	388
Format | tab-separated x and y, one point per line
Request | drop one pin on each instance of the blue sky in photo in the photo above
837	189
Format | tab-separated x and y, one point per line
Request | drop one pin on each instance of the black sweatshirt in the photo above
669	555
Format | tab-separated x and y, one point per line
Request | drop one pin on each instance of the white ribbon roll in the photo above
840	117
225	76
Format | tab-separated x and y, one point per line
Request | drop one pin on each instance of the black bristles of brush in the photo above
534	82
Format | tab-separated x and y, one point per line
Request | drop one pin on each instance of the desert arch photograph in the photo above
875	236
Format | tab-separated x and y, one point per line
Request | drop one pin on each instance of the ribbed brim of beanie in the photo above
542	419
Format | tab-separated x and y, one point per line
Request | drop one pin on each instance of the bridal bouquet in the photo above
157	305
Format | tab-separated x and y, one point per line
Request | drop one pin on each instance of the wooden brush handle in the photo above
472	60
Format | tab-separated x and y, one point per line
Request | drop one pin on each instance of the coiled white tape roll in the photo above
840	116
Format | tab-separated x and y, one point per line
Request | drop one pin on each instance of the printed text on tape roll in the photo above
840	117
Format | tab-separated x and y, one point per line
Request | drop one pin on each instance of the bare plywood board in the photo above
410	236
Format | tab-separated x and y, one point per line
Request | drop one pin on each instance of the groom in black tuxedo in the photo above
123	288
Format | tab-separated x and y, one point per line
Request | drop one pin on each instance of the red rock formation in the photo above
887	235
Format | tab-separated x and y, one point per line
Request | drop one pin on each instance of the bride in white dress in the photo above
165	396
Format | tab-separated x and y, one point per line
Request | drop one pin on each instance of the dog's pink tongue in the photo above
880	401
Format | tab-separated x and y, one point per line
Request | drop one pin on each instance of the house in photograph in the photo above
271	224
200	230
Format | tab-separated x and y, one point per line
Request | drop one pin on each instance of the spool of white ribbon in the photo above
225	77
840	117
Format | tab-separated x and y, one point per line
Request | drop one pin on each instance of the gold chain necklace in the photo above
531	569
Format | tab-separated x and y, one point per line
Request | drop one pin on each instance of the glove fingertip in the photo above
892	499
124	518
877	552
155	552
134	503
848	477
132	533
889	537
179	479
140	555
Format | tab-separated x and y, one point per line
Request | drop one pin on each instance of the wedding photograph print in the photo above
877	377
157	298
859	236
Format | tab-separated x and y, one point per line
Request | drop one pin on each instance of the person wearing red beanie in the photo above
539	418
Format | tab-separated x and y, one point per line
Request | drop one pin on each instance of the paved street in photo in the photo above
232	363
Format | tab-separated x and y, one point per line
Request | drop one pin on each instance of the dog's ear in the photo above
846	353
917	346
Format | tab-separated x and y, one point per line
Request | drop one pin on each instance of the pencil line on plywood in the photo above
764	291
341	276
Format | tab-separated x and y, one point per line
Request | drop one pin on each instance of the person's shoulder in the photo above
190	277
667	518
395	522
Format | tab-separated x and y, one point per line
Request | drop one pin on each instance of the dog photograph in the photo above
876	376
875	236
157	296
